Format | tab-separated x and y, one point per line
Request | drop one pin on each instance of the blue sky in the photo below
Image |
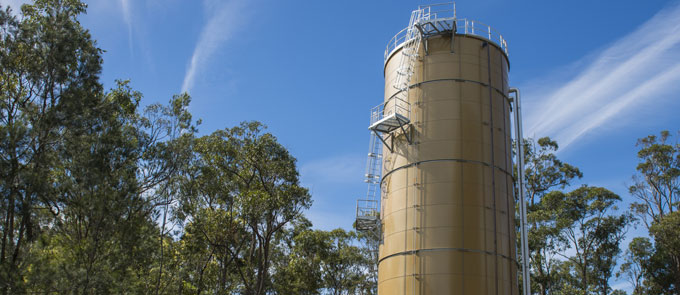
595	75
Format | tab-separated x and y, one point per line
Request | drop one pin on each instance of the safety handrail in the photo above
367	208
393	106
463	26
480	29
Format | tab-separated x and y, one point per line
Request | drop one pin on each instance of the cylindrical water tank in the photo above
448	207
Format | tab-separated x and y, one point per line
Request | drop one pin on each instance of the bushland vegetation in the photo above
103	196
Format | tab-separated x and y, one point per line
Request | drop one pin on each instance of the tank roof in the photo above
441	19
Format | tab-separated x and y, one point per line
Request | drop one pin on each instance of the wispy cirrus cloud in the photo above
224	19
637	70
127	18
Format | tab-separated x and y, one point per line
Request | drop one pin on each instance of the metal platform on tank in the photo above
389	123
441	19
437	26
367	223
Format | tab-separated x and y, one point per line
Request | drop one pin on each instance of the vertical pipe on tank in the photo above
526	283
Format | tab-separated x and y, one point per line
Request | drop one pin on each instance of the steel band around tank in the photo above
409	252
444	160
508	98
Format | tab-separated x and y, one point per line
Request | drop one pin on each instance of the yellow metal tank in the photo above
448	223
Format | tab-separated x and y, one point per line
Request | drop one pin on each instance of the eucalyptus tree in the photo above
323	262
632	269
656	186
544	174
49	71
591	227
344	264
663	269
241	190
80	166
297	259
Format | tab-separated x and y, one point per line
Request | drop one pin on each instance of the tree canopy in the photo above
103	196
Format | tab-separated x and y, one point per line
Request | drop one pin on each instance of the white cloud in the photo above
224	19
127	17
635	71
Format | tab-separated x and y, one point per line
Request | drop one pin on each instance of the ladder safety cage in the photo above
386	118
368	215
396	112
374	161
368	209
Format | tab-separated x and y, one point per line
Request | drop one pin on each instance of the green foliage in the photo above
638	253
316	260
583	221
50	90
544	172
657	184
297	259
102	197
655	269
593	231
663	267
241	189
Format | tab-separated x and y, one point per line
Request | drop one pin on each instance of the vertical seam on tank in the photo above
419	180
484	180
493	165
421	193
462	191
406	229
507	190
414	244
414	231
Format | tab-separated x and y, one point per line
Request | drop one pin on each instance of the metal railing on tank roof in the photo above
437	11
463	26
480	29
